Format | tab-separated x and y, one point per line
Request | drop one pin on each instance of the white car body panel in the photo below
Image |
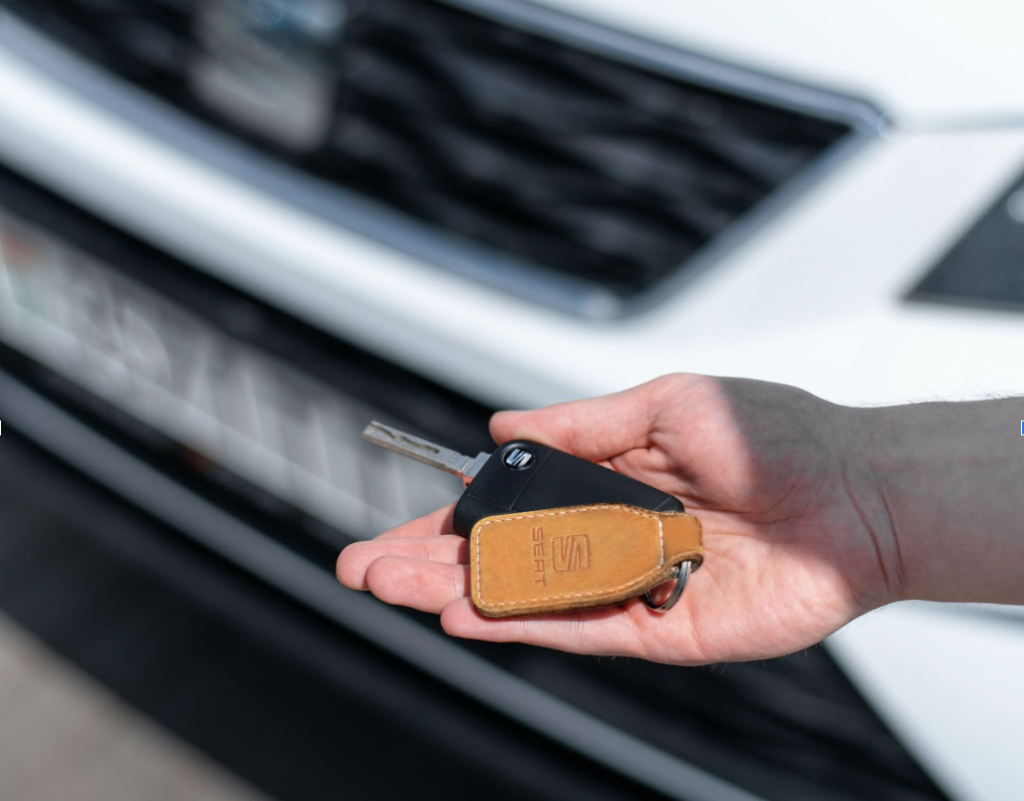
948	682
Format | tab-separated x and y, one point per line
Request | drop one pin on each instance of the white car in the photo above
280	218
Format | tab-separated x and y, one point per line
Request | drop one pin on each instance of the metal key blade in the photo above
424	451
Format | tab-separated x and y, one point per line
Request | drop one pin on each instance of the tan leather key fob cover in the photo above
576	557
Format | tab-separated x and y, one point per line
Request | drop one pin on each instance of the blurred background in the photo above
232	232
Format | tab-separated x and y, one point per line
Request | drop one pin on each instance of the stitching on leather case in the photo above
590	593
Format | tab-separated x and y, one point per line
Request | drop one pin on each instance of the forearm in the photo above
949	478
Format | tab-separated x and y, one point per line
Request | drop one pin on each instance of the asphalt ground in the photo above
64	736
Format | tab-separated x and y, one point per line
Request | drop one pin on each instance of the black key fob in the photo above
524	476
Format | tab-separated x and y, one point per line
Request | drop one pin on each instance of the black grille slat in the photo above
147	42
588	166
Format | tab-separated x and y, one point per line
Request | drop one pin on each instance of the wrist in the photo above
859	431
948	476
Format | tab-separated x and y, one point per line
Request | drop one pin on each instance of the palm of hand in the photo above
788	557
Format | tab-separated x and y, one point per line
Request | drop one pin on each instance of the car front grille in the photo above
600	171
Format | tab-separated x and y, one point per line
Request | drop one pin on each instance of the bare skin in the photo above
807	519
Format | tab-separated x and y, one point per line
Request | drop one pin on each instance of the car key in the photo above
522	476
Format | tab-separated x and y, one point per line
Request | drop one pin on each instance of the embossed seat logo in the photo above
570	553
518	459
270	65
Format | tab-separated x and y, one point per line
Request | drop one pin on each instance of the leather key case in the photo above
554	560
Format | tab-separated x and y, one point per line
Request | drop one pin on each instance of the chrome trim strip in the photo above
197	518
640	51
487	266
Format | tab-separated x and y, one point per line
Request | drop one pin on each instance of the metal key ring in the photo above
682	576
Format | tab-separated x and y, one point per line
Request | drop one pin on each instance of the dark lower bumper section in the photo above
289	701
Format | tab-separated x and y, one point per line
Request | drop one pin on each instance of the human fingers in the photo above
356	559
417	583
596	428
607	631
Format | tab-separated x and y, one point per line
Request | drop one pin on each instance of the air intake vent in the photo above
610	175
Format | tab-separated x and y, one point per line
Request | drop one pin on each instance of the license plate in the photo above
281	429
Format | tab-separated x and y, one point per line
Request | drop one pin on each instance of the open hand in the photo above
797	541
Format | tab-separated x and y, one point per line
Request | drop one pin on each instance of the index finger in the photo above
597	429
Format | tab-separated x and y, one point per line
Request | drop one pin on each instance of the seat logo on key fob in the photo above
518	458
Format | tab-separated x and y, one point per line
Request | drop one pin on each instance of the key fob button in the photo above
518	458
